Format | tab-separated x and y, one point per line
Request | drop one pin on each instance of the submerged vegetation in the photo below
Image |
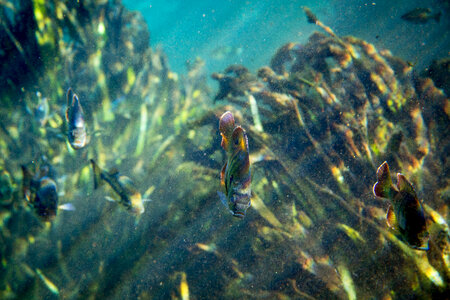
319	119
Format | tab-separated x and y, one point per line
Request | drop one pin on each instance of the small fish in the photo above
77	134
235	175
41	193
122	185
41	112
405	214
421	16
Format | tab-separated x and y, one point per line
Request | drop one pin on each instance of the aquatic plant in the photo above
319	119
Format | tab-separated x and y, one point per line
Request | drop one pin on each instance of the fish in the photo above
41	192
421	16
77	134
41	111
405	214
235	176
122	185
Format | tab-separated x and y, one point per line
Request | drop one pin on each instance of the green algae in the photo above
326	122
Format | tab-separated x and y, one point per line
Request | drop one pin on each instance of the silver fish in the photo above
76	134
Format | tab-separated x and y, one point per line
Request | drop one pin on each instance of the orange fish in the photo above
235	176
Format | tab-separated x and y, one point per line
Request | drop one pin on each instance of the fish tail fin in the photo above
226	127
437	17
383	187
97	174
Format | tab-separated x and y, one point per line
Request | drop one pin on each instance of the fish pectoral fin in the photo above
224	201
110	199
425	247
223	198
67	206
391	220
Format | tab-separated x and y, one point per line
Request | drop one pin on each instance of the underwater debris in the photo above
439	71
235	81
282	56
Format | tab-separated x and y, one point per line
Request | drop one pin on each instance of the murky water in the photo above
324	92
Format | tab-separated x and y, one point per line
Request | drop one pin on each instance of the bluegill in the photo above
41	193
405	214
421	16
235	176
122	186
76	134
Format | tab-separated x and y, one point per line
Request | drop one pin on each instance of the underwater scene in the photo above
224	149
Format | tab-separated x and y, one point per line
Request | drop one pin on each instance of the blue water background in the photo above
190	29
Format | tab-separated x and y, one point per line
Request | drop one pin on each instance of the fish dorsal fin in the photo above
391	220
75	100
383	187
239	139
126	183
69	96
226	127
114	172
404	185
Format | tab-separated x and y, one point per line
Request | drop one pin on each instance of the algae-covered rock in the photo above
319	119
